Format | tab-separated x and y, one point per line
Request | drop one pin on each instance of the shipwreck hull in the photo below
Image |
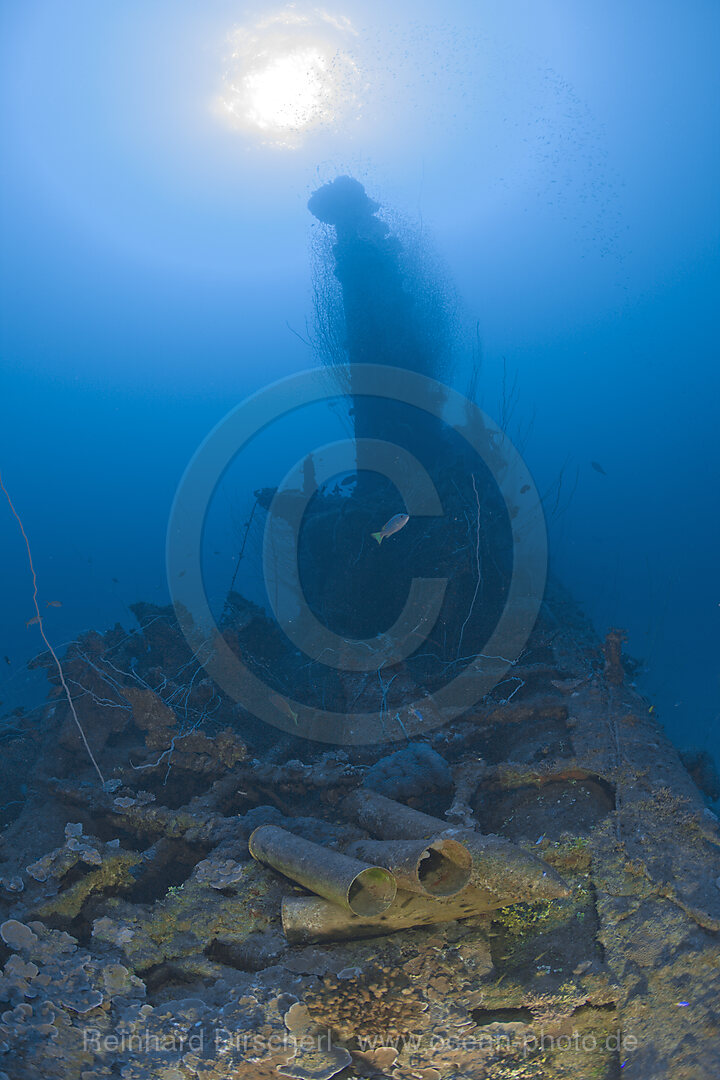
182	931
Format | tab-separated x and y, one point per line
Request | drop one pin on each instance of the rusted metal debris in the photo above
355	886
444	873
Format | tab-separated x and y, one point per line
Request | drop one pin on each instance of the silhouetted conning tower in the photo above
378	309
395	314
382	317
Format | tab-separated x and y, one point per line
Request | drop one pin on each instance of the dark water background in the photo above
563	161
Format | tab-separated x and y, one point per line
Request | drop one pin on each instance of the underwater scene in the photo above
359	472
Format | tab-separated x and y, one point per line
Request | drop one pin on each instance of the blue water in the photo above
561	159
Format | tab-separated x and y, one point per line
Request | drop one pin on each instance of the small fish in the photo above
54	603
524	488
284	706
115	580
7	660
598	467
347	480
395	524
31	622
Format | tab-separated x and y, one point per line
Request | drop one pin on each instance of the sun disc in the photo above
290	92
288	76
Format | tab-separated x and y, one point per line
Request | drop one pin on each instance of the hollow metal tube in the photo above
499	866
437	867
359	887
308	919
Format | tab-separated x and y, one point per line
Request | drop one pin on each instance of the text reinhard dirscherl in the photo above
255	1046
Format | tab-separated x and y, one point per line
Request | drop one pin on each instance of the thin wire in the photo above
42	631
477	566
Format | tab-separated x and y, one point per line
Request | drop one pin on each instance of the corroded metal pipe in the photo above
308	919
503	869
357	887
437	867
387	818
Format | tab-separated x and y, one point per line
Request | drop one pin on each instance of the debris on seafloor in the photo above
502	870
436	867
175	930
414	771
464	874
359	887
309	919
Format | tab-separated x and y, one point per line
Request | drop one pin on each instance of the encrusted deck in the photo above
140	940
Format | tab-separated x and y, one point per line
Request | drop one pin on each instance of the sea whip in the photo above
44	637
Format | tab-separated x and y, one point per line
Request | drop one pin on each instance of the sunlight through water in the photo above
289	75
